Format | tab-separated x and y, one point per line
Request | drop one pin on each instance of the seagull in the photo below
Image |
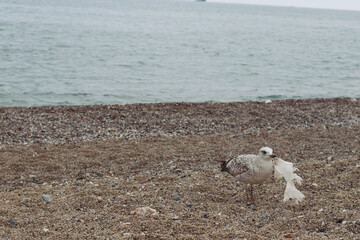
251	169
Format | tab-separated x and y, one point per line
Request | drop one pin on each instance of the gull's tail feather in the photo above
223	166
286	170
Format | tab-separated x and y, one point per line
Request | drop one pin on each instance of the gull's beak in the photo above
273	156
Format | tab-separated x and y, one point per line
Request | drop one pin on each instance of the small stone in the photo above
288	235
99	199
189	205
46	198
330	158
176	197
321	210
12	222
268	101
357	222
340	220
45	229
206	216
144	211
315	185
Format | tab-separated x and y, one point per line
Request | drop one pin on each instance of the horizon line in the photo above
279	5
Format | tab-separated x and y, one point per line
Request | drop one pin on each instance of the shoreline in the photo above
353	99
71	124
168	159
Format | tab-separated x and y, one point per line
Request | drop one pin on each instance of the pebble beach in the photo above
80	172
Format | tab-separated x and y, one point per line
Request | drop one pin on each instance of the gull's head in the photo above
266	153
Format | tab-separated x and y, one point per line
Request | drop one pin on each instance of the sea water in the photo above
143	51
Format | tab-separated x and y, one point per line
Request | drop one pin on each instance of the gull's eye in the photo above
264	152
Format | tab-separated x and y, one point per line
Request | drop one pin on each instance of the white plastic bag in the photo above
286	170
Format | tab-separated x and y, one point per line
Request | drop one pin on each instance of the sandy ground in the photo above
100	163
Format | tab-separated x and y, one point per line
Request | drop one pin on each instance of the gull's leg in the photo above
247	192
252	193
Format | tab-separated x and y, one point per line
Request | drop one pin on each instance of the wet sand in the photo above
99	163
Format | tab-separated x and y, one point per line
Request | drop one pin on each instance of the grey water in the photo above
144	51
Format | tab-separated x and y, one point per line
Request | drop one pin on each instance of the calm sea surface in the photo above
129	51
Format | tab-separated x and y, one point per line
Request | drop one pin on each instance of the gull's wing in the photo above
237	165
